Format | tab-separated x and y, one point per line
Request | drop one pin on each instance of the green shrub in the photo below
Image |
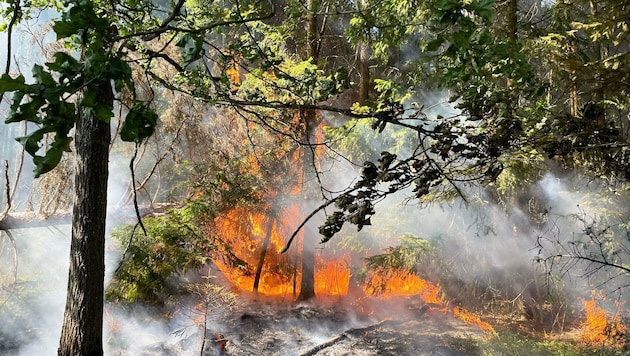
153	264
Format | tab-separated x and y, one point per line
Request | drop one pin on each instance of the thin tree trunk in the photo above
363	57
307	284
263	252
311	31
82	330
599	54
364	72
511	20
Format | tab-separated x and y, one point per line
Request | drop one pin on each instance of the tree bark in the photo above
82	330
311	30
363	58
364	72
511	20
263	252
307	284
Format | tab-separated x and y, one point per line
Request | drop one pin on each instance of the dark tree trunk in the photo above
311	30
82	330
263	252
364	72
307	284
511	21
507	16
363	57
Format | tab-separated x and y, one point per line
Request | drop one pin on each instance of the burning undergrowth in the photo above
411	283
382	285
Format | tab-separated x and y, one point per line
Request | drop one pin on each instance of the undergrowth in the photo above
513	344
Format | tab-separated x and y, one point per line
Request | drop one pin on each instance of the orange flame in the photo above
332	277
279	274
244	231
393	283
472	319
600	328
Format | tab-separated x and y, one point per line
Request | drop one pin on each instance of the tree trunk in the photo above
307	284
82	330
511	20
363	57
364	72
312	40
507	16
263	252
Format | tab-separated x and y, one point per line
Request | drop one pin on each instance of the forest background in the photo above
269	126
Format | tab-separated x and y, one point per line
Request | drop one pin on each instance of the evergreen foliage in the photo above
154	265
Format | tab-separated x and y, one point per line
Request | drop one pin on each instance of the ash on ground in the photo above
365	327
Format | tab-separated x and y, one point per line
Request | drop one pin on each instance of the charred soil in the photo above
395	326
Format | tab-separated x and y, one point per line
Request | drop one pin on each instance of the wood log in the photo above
26	220
354	332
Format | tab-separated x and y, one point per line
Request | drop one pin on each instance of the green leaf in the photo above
184	40
65	29
27	111
191	46
31	142
447	5
119	69
103	111
46	163
139	123
90	97
11	84
433	45
64	64
483	8
95	63
43	77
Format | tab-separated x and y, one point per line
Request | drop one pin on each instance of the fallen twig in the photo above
346	334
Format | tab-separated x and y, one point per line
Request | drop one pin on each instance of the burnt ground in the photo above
367	327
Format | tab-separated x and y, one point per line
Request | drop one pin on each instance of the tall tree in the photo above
83	318
77	93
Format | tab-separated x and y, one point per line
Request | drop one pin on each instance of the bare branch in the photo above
16	14
7	191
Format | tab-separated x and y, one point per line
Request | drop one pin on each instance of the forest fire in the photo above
600	328
472	319
391	283
255	242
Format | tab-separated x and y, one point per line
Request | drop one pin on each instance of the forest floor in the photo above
365	327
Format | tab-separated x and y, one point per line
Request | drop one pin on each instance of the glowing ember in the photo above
600	328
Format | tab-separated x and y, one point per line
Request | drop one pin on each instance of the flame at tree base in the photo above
257	239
